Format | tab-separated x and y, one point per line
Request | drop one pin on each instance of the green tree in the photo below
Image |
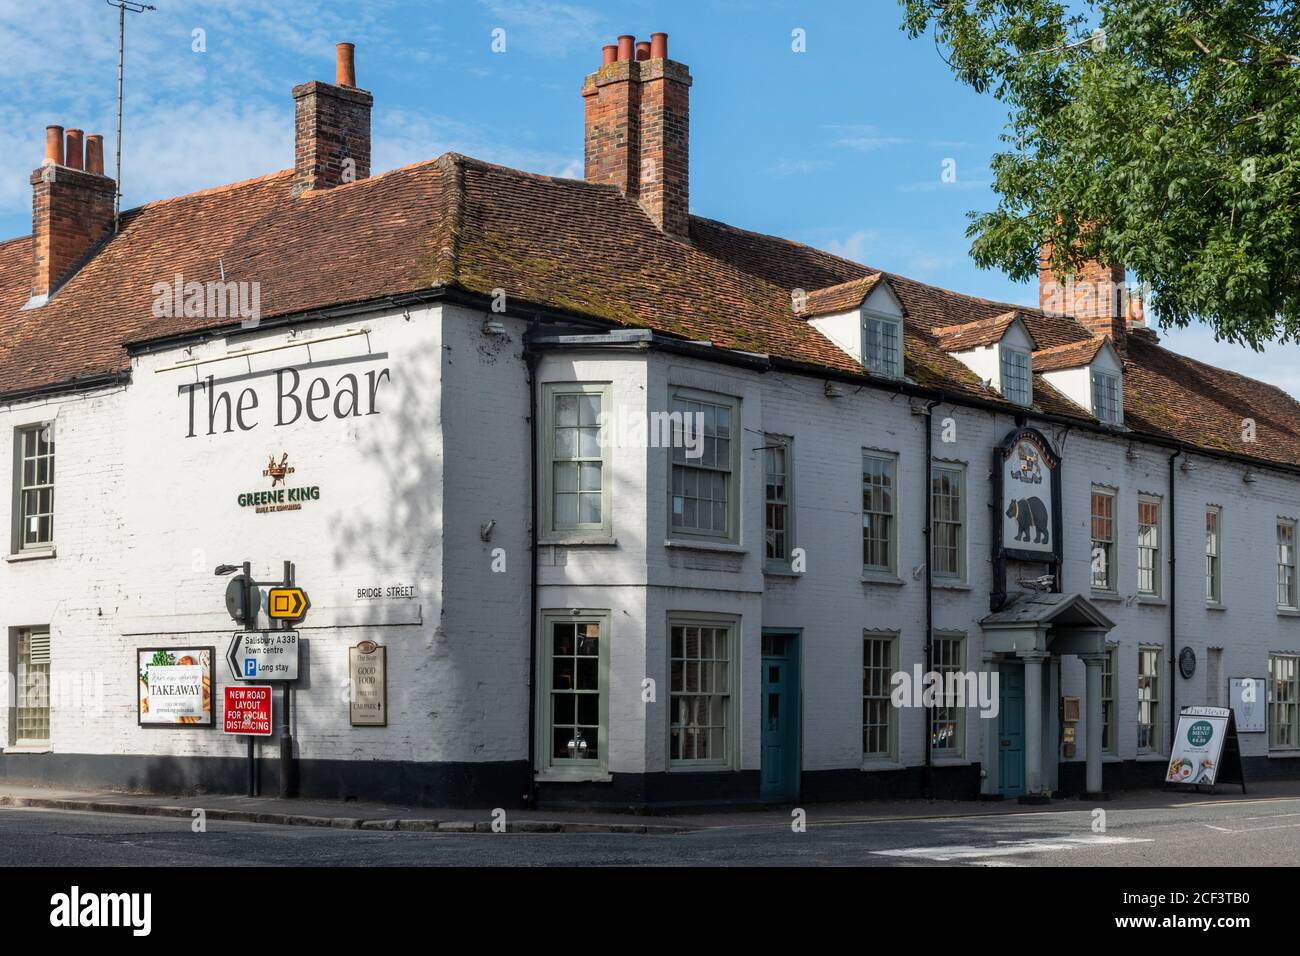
1161	134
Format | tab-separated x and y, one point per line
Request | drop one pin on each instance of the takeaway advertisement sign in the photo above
1198	745
175	686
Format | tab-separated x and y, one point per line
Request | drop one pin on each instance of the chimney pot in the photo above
659	46
76	155
54	145
643	50
346	68
625	45
95	154
608	54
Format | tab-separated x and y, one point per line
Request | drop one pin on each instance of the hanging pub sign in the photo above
368	681
1205	749
1027	475
174	686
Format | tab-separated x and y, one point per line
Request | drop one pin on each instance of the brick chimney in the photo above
72	208
331	128
637	129
1095	295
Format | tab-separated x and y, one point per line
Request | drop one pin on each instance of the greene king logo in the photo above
282	496
75	909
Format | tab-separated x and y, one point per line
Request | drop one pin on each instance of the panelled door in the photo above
780	717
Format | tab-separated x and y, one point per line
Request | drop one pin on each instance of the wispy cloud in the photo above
548	29
867	138
938	184
798	167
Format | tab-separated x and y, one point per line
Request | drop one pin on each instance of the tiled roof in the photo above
840	297
567	245
1069	355
969	335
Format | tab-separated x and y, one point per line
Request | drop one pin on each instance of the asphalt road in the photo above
1260	832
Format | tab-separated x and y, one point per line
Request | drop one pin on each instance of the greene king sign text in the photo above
350	396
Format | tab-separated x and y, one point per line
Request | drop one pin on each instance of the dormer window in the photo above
1017	377
863	317
1089	373
881	350
1106	397
999	349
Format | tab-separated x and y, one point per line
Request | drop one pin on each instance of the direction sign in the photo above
287	604
247	710
264	655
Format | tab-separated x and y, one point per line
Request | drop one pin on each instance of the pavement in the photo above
353	815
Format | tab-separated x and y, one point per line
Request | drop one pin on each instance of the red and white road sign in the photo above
248	710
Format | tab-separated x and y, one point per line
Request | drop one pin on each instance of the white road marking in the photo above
944	854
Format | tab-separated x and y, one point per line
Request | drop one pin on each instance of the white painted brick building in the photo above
679	628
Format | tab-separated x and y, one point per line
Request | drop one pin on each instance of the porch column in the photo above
1033	724
1093	663
989	785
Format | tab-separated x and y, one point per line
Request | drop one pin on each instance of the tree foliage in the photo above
1161	134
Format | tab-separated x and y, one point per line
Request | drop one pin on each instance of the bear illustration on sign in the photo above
1030	514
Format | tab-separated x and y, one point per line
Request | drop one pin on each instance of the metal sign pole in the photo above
250	624
286	735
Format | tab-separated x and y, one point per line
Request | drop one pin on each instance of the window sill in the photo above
577	541
1288	612
1110	758
950	586
706	545
1111	596
1216	607
1151	758
1284	754
35	554
949	762
704	767
26	750
577	776
1151	600
870	765
779	571
889	580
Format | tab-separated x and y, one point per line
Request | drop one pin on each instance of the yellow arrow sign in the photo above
286	604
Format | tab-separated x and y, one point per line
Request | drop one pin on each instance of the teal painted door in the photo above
1011	730
780	716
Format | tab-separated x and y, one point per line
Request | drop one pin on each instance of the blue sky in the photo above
841	146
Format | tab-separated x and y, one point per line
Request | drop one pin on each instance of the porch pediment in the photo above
1038	622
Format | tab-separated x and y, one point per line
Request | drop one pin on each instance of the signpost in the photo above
247	710
1206	750
264	655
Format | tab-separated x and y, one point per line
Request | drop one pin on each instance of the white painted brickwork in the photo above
144	513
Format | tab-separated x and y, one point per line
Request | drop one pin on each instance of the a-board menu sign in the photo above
1205	750
174	686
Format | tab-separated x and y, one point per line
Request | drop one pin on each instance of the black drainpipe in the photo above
927	775
1173	606
530	360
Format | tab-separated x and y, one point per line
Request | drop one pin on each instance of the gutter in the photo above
82	383
531	357
1173	604
927	782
